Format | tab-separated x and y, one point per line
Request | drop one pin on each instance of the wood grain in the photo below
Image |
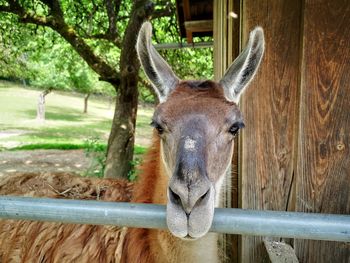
323	182
270	107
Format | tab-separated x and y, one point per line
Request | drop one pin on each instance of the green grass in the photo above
50	146
138	150
66	126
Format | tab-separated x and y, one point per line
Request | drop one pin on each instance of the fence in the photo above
231	221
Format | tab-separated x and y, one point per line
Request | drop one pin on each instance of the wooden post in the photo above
323	182
226	49
270	108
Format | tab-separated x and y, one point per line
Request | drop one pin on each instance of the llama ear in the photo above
156	68
243	69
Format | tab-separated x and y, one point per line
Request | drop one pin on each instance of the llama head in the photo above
196	122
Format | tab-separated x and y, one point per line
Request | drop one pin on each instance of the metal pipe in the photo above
231	221
184	45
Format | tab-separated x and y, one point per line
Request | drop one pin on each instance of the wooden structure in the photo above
294	154
195	18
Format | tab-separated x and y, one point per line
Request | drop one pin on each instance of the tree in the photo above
13	58
85	25
103	34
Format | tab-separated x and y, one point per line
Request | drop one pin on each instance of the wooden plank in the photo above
199	25
187	17
270	108
323	182
233	41
280	252
219	44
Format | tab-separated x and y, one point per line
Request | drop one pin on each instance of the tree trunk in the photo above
121	140
40	114
86	98
111	100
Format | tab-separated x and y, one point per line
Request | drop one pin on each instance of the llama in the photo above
194	127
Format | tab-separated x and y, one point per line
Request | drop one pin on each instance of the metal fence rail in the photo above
232	221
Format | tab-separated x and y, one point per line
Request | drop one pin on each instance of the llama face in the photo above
196	149
196	121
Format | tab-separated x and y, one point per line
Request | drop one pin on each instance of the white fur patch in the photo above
190	145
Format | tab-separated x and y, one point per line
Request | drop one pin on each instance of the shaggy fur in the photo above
137	242
27	241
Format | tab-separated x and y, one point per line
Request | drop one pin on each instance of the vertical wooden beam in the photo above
220	38
226	46
220	62
233	43
270	108
187	16
323	180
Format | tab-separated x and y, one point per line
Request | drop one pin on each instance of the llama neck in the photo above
146	245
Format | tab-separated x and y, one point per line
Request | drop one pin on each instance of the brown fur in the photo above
27	241
137	242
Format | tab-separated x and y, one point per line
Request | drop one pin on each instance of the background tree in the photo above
103	34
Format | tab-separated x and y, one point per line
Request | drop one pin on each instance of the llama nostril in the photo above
175	198
204	196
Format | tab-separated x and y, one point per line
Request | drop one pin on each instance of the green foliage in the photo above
97	151
44	59
40	55
13	56
133	173
49	146
139	150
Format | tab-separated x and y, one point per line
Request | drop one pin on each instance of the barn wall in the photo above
323	168
294	152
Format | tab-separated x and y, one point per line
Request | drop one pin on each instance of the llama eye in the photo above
157	126
235	128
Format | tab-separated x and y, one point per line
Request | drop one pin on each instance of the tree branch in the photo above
104	36
55	9
56	22
111	17
37	20
113	7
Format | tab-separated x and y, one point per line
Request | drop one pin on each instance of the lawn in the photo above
66	126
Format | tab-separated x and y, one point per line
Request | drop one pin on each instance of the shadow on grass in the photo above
58	114
72	132
104	107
